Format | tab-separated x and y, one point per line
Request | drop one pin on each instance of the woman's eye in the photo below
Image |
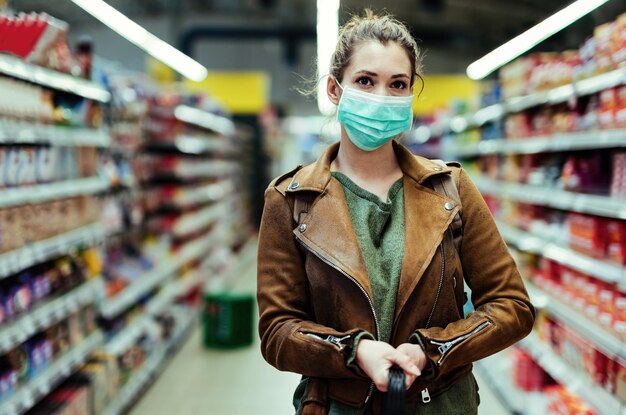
364	81
398	85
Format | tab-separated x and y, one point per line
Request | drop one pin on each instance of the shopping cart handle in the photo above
396	392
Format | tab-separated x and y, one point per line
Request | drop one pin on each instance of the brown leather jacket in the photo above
314	294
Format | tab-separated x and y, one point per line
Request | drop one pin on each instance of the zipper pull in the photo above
425	396
337	341
443	349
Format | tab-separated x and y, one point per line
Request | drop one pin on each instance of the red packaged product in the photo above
527	374
616	241
608	108
606	295
604	55
619	317
592	299
619	40
587	234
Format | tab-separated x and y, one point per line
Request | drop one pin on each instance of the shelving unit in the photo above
17	68
553	96
559	199
44	315
17	260
603	340
528	242
152	366
586	140
28	395
50	191
494	370
18	132
577	383
161	273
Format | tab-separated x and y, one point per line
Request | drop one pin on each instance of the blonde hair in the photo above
383	29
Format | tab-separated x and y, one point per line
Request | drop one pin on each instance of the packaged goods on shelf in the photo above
30	223
37	38
28	360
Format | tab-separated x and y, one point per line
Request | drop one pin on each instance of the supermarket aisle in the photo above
207	382
240	382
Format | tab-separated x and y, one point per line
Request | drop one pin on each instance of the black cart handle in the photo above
396	392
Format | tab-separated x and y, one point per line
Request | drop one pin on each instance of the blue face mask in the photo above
372	120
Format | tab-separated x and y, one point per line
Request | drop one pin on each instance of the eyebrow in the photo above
400	75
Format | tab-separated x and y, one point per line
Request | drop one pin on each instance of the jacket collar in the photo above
316	176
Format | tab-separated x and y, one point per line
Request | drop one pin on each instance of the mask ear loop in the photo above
338	84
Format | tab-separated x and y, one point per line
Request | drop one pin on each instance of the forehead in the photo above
376	57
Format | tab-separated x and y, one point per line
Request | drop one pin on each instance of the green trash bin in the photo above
227	320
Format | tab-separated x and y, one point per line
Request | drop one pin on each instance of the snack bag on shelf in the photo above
604	56
619	41
618	176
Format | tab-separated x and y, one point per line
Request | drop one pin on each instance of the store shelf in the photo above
173	290
601	270
140	380
50	191
192	222
604	341
578	383
496	371
198	195
195	145
28	395
47	314
17	68
553	96
204	119
146	283
565	93
17	260
555	198
586	140
127	337
16	132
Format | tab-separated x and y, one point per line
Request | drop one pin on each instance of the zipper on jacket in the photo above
425	396
337	341
443	272
445	347
369	300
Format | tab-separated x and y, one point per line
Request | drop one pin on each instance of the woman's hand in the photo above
416	356
375	358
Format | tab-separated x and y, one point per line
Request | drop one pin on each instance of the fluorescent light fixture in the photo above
204	119
530	38
327	32
145	40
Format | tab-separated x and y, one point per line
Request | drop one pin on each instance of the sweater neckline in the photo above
366	194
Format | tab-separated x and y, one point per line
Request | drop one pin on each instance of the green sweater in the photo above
379	227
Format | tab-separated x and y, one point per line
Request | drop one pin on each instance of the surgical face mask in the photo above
372	120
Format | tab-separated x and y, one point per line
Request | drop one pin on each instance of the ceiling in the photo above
474	27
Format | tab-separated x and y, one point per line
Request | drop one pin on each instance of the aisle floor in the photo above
235	382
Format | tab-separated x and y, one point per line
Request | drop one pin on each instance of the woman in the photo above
357	267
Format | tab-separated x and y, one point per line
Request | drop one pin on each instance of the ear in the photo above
333	91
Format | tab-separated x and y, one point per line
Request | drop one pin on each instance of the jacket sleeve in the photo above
503	312
290	340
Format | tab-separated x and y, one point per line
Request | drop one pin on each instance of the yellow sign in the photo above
439	90
240	92
160	72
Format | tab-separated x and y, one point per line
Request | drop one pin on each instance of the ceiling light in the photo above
530	38
136	34
327	32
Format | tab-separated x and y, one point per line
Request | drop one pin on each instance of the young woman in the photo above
357	266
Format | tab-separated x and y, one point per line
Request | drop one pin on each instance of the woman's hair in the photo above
383	29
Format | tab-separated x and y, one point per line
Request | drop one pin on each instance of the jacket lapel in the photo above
330	234
426	220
